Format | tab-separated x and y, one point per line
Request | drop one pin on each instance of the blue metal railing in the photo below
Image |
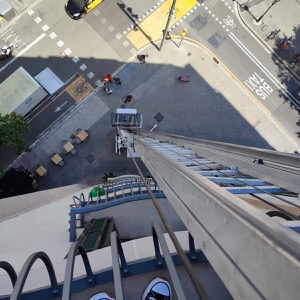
83	210
10	271
18	288
70	268
70	285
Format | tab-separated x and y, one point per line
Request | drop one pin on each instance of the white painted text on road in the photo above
12	38
259	85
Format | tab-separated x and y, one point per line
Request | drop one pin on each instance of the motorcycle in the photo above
6	51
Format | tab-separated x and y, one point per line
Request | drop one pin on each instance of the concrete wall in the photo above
133	220
13	206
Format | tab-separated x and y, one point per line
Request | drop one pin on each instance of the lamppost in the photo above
171	16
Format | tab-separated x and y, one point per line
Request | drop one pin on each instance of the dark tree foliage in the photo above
12	129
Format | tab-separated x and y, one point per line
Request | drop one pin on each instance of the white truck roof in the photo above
20	91
49	80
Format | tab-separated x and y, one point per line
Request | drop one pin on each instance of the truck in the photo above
49	81
20	93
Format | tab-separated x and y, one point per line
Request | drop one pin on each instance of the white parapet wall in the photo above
13	206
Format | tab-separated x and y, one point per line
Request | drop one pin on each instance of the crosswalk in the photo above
152	27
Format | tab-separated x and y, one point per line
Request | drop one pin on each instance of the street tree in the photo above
12	129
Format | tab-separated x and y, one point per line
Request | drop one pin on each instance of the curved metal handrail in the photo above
78	201
18	288
119	264
10	271
159	241
118	256
280	214
75	247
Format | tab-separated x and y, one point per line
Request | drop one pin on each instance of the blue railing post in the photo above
158	257
192	248
72	226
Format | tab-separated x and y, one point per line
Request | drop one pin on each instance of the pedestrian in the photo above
117	80
107	89
287	43
296	59
107	78
142	58
128	98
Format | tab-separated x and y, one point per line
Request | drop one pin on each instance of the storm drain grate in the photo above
159	117
90	158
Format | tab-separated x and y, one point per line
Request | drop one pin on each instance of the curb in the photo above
273	120
256	36
7	24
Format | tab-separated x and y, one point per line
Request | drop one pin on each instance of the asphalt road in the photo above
214	24
98	44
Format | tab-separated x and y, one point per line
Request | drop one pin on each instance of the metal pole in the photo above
167	25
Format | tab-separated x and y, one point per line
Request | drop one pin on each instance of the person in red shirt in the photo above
107	78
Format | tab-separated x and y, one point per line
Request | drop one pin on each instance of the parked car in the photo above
78	8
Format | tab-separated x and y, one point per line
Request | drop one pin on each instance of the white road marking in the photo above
98	82
76	59
38	20
60	43
96	12
68	51
133	51
125	43
23	51
45	27
263	68
90	75
118	36
229	22
103	20
83	67
30	12
52	35
111	28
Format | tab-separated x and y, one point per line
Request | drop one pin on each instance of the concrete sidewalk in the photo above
211	106
272	22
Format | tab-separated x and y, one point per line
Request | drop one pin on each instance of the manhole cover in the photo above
159	117
216	39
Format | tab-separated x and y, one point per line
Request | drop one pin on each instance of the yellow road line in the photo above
151	28
242	85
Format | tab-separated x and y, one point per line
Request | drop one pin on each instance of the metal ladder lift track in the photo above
202	180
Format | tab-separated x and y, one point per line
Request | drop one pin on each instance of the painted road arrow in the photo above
58	108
